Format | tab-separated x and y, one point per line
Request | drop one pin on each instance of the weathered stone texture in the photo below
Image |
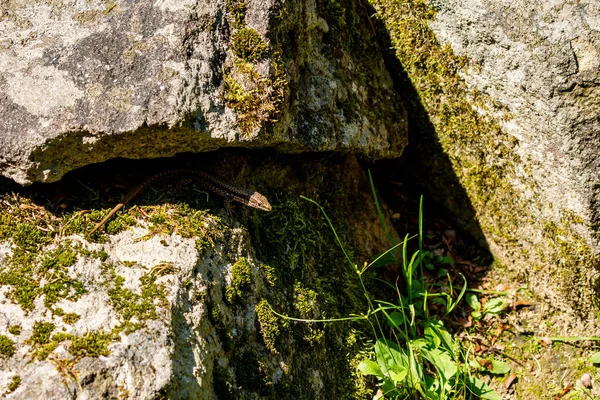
506	105
84	82
178	305
541	62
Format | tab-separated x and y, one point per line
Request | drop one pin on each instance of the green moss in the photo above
7	347
249	373
92	344
61	286
248	45
222	382
305	301
237	10
30	238
120	223
42	332
342	21
14	330
70	318
80	223
255	100
136	307
270	274
19	274
241	280
269	325
14	384
28	267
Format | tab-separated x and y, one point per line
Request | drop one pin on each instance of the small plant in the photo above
414	354
493	306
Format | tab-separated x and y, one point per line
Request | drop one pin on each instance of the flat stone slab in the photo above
83	83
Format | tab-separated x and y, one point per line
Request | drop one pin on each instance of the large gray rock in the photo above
178	304
506	101
541	62
85	82
538	64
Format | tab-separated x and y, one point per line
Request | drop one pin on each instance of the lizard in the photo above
209	182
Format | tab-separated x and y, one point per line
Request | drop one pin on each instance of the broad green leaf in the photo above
474	364
441	272
499	367
482	390
417	287
370	367
595	359
494	366
421	343
438	300
389	354
398	374
442	362
388	387
396	319
437	334
476	315
473	302
432	337
495	306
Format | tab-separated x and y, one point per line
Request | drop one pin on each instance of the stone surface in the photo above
177	304
81	83
540	61
505	106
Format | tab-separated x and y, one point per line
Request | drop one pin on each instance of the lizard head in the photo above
257	200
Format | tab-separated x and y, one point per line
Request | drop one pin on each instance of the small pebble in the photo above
586	380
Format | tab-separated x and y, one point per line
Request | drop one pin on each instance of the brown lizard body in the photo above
209	182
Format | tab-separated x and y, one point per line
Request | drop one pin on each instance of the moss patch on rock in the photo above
14	384
248	45
254	92
7	347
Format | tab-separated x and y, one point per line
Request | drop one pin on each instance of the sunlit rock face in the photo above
85	82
